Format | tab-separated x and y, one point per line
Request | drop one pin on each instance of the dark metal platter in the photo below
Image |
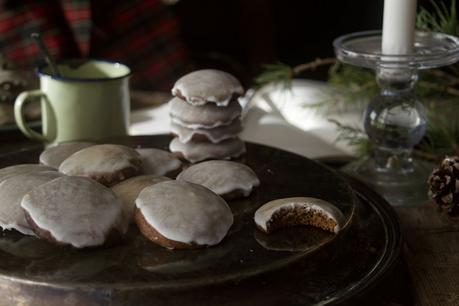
248	267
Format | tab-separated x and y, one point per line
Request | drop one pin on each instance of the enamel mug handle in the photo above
21	100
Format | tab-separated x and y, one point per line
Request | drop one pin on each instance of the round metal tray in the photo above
298	266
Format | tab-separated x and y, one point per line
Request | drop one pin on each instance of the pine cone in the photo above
444	185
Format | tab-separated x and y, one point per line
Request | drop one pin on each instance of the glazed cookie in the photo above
195	151
159	162
214	135
54	156
12	190
75	211
128	190
206	116
298	211
108	164
11	171
208	85
182	215
228	179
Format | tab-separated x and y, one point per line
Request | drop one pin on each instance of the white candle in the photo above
398	26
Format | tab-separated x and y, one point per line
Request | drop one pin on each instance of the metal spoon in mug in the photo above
48	58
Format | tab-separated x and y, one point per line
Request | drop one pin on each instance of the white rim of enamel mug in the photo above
40	72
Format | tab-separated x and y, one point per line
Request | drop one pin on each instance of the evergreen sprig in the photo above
275	73
354	136
441	19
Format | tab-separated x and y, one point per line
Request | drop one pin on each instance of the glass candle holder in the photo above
395	120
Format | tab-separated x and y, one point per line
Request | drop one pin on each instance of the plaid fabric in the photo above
141	33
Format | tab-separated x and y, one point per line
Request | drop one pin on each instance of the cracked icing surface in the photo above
102	160
54	156
195	151
158	162
221	176
11	171
207	85
12	190
206	116
128	190
185	212
265	213
75	210
215	135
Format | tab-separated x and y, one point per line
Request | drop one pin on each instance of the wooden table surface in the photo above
431	250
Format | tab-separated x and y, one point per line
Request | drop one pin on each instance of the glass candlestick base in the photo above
397	188
395	120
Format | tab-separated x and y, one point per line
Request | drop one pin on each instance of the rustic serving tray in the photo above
299	266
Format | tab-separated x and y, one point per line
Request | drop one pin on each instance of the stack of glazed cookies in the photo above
206	116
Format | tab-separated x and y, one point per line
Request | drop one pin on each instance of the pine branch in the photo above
354	136
275	73
451	78
441	19
283	74
313	65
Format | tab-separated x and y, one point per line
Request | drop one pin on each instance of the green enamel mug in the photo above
89	100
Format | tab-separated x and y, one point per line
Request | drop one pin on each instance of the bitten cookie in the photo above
12	190
128	190
54	156
75	211
214	135
299	211
195	151
182	215
11	171
159	162
207	116
108	164
230	180
208	85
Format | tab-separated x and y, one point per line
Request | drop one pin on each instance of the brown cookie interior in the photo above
296	216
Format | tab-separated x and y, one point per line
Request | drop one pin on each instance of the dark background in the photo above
247	33
240	35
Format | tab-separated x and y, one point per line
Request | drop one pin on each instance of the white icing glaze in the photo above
205	116
158	162
197	125
195	151
221	176
76	210
54	156
185	212
208	85
100	159
12	190
128	190
265	212
11	171
215	135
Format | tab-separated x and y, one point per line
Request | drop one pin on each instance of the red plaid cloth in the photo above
142	34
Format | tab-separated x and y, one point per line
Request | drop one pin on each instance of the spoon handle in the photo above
46	54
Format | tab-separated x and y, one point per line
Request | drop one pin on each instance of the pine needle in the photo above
354	136
275	73
441	19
